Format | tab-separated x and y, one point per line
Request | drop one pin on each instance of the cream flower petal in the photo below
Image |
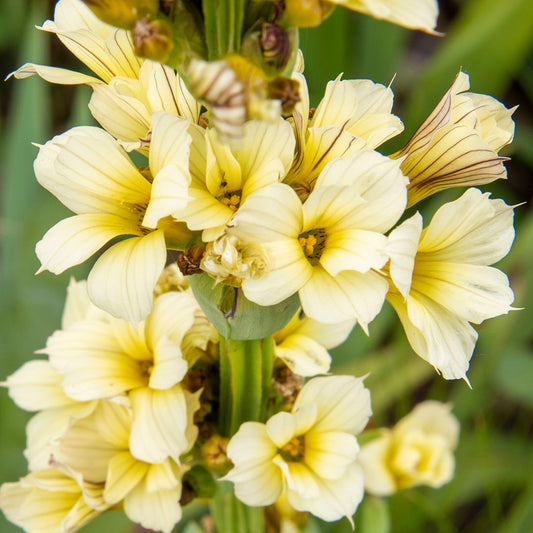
337	498
402	248
43	430
123	279
300	480
365	108
343	403
170	142
124	116
417	14
432	417
204	211
258	482
473	229
159	422
168	92
125	473
93	362
36	385
471	292
45	501
158	510
253	443
303	355
273	213
169	196
288	271
73	240
328	335
88	171
378	180
222	166
78	306
266	153
348	295
169	367
53	75
328	454
329	206
324	145
436	335
282	427
162	477
354	249
373	458
172	317
73	15
90	444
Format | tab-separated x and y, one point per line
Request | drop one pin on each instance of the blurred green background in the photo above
492	40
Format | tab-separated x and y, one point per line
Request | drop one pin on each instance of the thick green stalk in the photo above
245	374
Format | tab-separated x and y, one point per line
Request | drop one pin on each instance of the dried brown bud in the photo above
275	45
187	494
153	39
285	90
189	260
123	13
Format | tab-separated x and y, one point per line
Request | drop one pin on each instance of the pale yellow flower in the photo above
46	501
457	144
223	177
89	172
353	114
327	248
310	453
303	344
417	451
126	89
442	281
98	448
102	359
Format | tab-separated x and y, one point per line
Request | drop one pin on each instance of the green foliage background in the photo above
492	40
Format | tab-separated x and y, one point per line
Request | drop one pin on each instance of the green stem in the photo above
231	515
245	374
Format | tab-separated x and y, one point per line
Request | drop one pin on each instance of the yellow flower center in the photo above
231	199
313	243
146	369
293	450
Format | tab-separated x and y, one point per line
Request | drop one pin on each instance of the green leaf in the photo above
234	316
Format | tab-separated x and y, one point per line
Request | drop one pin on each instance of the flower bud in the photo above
275	45
286	91
153	39
307	13
123	13
214	454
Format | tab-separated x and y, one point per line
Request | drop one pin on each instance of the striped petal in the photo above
73	240
123	279
159	422
348	295
53	75
89	172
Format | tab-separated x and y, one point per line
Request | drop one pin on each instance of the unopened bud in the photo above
307	13
123	13
275	45
285	90
153	39
214	454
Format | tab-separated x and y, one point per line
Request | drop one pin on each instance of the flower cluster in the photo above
291	228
